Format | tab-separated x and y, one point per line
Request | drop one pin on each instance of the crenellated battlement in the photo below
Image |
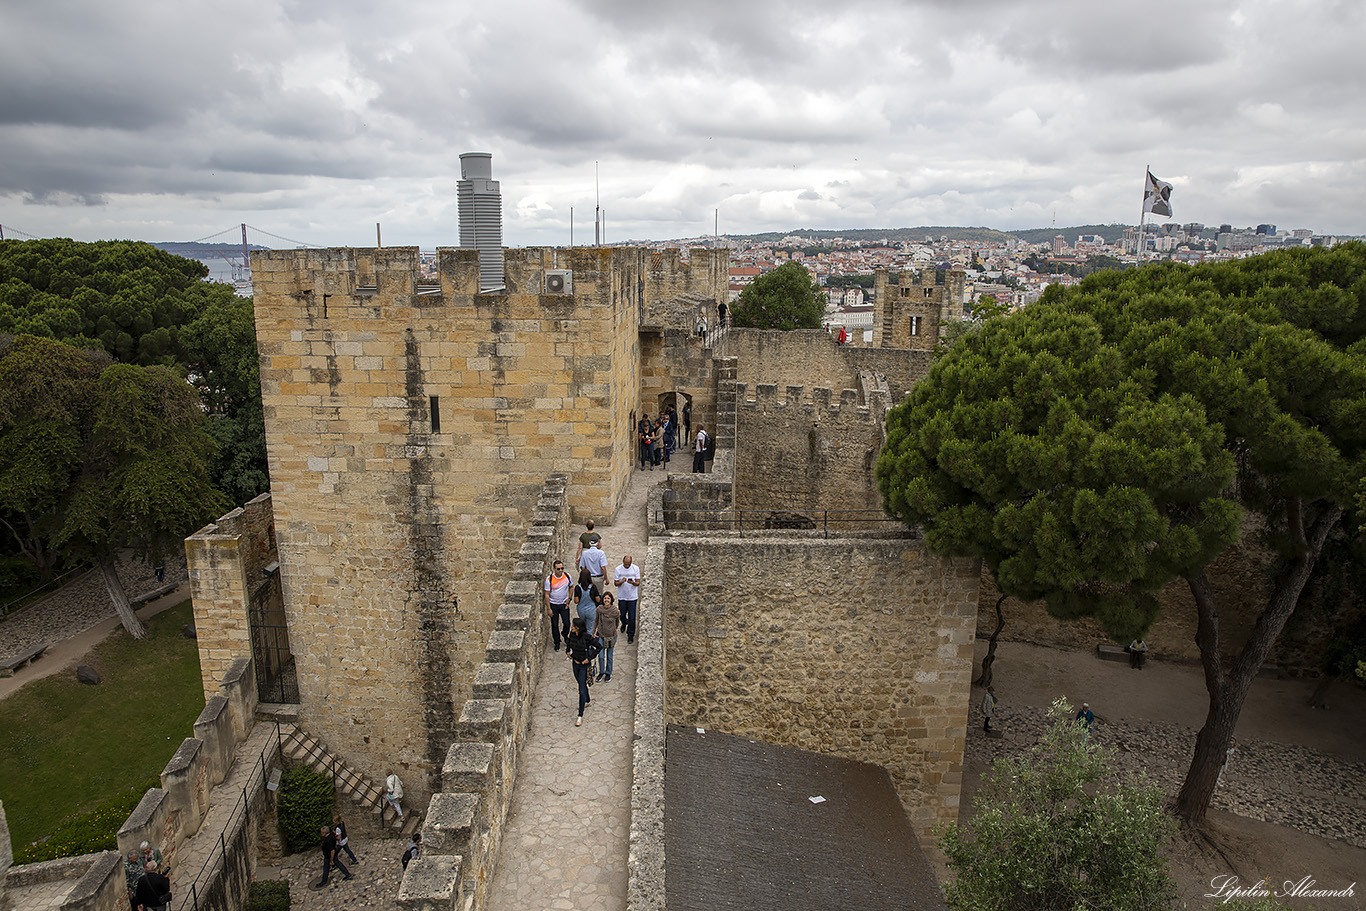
815	400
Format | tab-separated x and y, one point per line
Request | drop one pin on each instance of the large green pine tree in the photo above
1118	436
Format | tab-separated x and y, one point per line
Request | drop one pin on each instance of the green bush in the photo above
304	807
88	832
1057	829
269	895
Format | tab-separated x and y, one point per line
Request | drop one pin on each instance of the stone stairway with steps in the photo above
302	747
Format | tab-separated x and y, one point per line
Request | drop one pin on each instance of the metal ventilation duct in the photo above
481	217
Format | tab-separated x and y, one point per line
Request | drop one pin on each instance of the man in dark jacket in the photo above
330	858
154	890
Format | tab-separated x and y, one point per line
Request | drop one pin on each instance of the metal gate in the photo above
276	679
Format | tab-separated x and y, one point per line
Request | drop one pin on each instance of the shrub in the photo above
304	807
1056	830
269	895
85	833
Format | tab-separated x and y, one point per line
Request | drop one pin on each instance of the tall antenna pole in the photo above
716	228
1142	216
571	226
378	242
246	257
597	208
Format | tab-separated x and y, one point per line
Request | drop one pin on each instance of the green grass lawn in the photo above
65	747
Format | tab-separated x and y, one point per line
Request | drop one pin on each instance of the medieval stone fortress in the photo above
435	441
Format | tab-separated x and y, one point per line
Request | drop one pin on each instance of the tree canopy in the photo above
1114	437
144	306
100	458
785	298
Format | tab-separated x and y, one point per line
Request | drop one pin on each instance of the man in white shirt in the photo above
595	561
699	451
627	578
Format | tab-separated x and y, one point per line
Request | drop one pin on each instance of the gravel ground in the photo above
1285	784
79	605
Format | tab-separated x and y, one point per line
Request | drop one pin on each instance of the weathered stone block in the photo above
449	823
467	768
494	681
432	883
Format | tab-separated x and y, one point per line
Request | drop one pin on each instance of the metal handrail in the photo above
243	801
8	607
762	520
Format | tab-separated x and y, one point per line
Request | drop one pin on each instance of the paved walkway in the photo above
568	832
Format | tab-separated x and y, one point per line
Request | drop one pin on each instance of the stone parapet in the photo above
463	825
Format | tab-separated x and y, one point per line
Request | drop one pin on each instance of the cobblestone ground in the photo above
374	879
79	605
1281	783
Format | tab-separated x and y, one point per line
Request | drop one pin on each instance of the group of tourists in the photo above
658	437
149	887
600	616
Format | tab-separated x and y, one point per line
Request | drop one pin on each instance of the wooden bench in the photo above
10	665
1112	653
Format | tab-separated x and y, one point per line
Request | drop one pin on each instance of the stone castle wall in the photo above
226	563
856	647
807	451
811	357
409	428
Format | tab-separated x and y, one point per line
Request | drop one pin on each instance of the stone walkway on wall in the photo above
568	832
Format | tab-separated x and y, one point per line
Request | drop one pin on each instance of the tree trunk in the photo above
1228	689
990	659
109	570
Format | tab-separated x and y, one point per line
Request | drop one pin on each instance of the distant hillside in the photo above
918	235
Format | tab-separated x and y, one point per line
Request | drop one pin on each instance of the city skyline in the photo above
315	122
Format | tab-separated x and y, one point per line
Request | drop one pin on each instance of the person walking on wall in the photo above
699	451
331	859
988	708
627	578
586	598
154	889
343	843
557	586
609	618
644	435
595	561
582	649
393	793
657	445
587	539
132	874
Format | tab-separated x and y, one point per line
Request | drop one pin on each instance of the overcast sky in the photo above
175	119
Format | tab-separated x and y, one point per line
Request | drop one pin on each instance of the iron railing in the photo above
756	521
219	853
23	601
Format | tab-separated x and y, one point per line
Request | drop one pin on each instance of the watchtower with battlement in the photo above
410	425
911	308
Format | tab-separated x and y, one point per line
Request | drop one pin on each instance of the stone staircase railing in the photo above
302	747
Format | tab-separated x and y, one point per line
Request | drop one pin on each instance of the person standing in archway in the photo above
687	420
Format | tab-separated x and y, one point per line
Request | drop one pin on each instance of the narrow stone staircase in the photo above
300	746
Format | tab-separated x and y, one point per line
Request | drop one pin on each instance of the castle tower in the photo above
912	309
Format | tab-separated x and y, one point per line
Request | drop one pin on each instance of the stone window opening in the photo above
915	325
436	413
927	292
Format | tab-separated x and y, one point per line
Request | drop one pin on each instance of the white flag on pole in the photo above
1157	196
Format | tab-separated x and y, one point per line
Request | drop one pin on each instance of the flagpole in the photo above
1142	215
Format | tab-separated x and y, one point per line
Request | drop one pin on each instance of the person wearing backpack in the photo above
414	850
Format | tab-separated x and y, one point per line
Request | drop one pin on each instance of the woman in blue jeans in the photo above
609	618
581	648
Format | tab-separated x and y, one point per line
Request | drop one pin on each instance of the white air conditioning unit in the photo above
559	281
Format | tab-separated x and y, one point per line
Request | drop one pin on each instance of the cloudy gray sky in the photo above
174	119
